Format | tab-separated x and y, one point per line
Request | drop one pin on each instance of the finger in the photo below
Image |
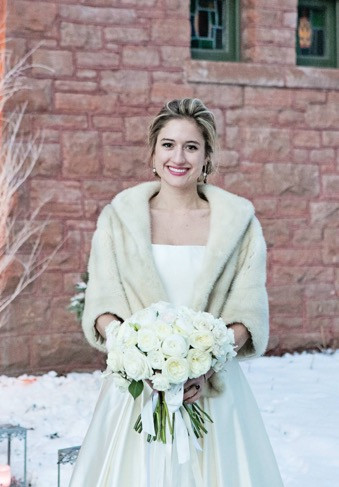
194	398
192	391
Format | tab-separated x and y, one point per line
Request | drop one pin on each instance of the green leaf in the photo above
136	388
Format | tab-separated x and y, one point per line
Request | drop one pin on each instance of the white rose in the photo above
115	360
163	330
111	334
121	383
176	370
136	364
220	333
183	326
147	340
201	340
199	362
175	346
160	382
127	336
156	359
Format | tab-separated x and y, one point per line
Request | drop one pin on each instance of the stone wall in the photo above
112	63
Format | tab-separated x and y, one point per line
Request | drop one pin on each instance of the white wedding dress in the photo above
236	452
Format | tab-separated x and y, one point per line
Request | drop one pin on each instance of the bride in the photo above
180	240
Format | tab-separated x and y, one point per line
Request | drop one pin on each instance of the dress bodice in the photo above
178	267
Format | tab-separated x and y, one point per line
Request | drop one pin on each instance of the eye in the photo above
167	145
192	147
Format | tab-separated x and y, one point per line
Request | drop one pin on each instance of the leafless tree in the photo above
19	154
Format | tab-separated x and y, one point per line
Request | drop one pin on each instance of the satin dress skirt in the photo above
236	452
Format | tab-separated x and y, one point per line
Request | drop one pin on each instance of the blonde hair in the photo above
190	109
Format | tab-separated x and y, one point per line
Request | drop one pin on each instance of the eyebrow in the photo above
187	141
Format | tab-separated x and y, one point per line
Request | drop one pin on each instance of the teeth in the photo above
174	169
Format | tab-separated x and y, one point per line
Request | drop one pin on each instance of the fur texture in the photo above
123	277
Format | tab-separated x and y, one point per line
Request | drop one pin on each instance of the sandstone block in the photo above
265	144
325	213
302	274
300	155
330	138
227	159
62	121
107	122
26	16
53	62
275	233
62	197
97	60
286	323
112	138
97	15
220	96
329	307
139	3
251	116
61	319
292	207
126	162
140	56
247	185
80	35
290	19
306	138
282	179
304	98
322	116
136	128
331	184
126	35
15	354
174	56
104	189
296	257
55	350
50	284
270	97
176	33
85	103
132	86
331	246
307	235
160	92
80	154
86	73
49	162
76	86
37	93
286	300
290	118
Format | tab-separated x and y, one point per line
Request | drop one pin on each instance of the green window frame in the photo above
322	49
219	22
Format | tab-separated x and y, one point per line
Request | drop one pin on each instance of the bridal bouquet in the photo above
167	345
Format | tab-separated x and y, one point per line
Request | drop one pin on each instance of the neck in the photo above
171	198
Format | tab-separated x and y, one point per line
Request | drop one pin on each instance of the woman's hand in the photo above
193	389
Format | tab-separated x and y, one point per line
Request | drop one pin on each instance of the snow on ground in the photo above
297	394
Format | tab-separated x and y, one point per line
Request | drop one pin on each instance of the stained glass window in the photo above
214	29
316	33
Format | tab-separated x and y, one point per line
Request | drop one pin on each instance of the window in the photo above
215	29
317	33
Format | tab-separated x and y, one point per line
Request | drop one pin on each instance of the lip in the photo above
177	171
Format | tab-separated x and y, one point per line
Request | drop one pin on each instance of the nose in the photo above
178	155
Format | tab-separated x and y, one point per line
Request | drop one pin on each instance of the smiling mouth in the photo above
177	171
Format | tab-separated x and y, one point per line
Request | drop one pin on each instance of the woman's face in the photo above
179	153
